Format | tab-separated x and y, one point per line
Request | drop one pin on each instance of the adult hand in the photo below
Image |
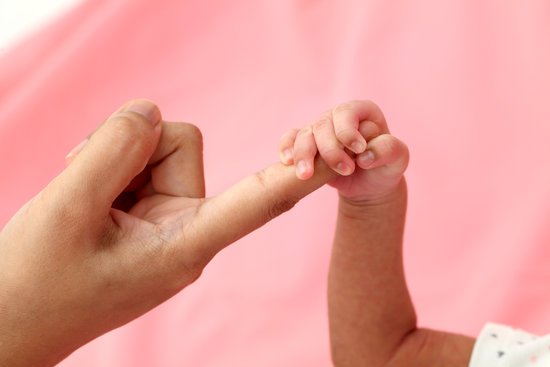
123	228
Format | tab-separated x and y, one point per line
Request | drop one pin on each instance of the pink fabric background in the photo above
465	83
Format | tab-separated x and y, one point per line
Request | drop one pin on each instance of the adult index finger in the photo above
246	206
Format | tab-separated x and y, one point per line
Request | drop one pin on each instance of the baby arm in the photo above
372	319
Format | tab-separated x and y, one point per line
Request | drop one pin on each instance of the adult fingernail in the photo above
301	168
358	146
365	160
343	169
76	150
145	108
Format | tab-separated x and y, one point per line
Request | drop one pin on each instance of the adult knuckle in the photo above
193	129
183	267
61	208
261	179
276	204
192	133
280	206
187	271
183	134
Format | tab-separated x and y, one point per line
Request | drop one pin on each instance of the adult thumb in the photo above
111	157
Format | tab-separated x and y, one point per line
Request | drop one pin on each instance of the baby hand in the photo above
354	140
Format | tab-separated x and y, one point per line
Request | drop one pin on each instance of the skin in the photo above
371	316
123	228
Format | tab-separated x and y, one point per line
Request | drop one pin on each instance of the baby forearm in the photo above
369	304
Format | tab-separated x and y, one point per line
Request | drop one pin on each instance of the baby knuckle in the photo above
389	144
361	101
306	131
288	137
328	153
405	151
322	123
343	107
345	135
369	104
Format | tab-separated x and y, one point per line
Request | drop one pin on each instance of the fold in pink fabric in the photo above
465	84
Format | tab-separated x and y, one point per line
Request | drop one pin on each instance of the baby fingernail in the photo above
287	155
301	168
343	169
366	159
358	147
76	150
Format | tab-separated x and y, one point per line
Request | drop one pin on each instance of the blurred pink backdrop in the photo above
465	83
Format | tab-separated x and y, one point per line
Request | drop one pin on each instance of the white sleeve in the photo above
503	346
